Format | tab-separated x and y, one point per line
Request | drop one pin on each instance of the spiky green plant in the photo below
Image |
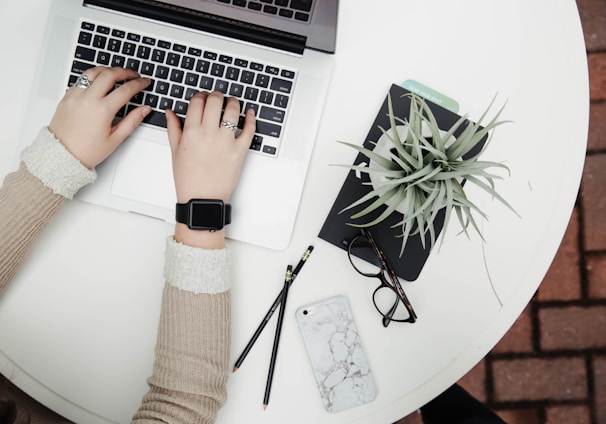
425	174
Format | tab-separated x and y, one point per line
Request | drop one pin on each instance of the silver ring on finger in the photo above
82	82
229	126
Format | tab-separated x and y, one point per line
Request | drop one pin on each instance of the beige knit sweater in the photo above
188	384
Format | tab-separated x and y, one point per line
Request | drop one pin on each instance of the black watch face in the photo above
206	215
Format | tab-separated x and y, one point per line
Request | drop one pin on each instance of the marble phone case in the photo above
333	345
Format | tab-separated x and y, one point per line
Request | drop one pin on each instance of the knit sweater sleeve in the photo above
189	379
31	197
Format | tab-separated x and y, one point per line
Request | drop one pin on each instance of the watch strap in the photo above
182	212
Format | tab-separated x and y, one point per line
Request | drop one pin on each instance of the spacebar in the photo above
156	118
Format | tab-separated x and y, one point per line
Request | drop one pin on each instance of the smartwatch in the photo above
203	214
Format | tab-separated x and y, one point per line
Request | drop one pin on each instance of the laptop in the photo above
273	55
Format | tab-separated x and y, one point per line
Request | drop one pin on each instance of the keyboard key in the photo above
210	55
137	98
176	75
143	52
281	85
151	100
162	87
251	93
271	114
134	37
114	45
179	48
300	16
161	72
256	66
164	44
85	53
241	63
262	80
272	10
158	55
287	74
156	118
181	108
166	103
247	77
271	150
189	93
281	3
232	73
253	106
147	68
177	91
149	41
118	61
202	66
266	97
173	59
133	64
118	33
194	52
221	86
206	83
281	101
88	26
79	67
256	143
85	38
99	41
255	6
217	70
225	59
267	128
241	3
129	49
103	58
188	62
191	79
272	70
236	90
103	29
286	13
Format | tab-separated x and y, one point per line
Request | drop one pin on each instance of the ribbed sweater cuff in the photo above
196	270
49	161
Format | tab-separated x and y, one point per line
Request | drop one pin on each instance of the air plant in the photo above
425	171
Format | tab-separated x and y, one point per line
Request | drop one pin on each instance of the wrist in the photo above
202	239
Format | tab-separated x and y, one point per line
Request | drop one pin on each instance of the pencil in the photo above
271	311
274	351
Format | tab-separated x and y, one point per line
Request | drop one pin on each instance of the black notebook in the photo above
335	229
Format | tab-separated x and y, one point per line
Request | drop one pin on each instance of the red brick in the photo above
573	327
599	381
593	19
563	279
519	336
593	195
596	274
597	126
597	76
568	414
475	381
520	416
539	379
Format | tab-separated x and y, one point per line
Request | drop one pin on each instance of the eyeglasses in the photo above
389	298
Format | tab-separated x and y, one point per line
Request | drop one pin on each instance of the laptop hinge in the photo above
207	22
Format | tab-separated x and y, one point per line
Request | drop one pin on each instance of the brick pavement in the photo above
550	368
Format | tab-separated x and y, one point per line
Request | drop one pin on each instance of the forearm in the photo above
26	208
32	196
192	351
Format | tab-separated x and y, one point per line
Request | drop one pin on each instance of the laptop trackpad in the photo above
144	173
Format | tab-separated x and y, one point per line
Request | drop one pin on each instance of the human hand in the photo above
83	119
207	157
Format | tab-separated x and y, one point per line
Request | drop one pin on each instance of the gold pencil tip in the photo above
264	406
235	369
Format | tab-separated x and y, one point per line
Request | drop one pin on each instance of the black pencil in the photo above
274	351
271	311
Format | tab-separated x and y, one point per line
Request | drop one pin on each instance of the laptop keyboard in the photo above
297	10
179	71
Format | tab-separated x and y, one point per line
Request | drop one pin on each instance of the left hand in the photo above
83	119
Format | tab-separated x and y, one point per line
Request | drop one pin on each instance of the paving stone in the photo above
593	19
596	274
519	337
535	379
563	279
597	127
475	381
599	381
573	328
593	195
597	76
520	416
577	414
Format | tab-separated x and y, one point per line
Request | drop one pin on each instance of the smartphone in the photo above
339	364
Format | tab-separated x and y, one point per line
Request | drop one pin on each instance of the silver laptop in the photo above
274	55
